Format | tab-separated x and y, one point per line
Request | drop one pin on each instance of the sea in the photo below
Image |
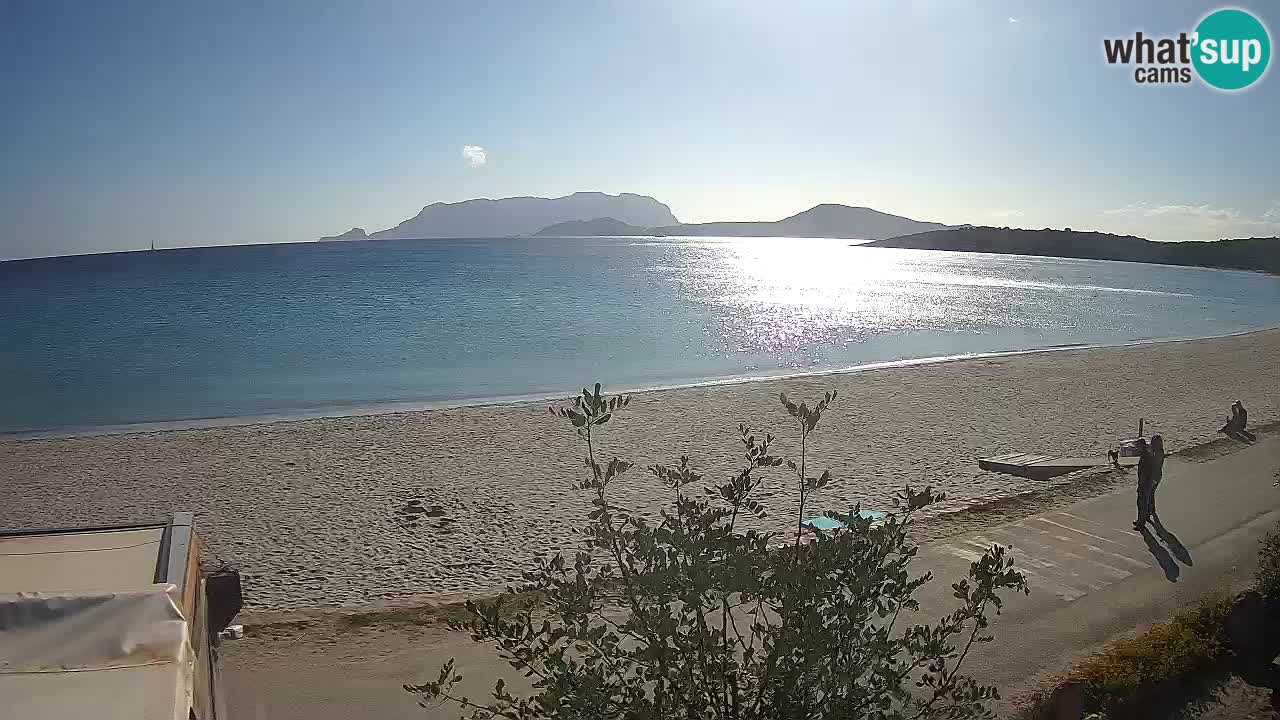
231	334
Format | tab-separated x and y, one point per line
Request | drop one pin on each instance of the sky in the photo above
198	123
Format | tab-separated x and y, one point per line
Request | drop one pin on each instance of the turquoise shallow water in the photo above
311	328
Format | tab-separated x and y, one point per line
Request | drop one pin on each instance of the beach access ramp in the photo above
1034	466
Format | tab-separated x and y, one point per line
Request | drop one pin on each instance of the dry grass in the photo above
1189	643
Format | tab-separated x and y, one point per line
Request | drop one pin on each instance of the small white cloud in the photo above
1007	213
475	155
1013	20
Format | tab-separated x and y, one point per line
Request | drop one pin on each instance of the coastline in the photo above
308	509
931	528
411	406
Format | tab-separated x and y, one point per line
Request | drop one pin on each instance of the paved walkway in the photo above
1093	578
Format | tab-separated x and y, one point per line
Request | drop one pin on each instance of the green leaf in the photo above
659	582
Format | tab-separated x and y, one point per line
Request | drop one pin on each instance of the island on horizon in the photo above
594	214
1259	254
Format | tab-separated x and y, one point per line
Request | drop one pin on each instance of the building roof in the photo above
80	561
92	625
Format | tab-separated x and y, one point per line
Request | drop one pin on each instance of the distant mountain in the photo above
585	214
820	221
1261	254
527	215
352	234
599	227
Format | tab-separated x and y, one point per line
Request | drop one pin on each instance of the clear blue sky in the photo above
196	123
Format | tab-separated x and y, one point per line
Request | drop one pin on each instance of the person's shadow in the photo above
1162	556
1175	545
1238	434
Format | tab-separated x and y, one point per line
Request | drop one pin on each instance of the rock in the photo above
352	234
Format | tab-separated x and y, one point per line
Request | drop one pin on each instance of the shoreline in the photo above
515	401
931	528
314	512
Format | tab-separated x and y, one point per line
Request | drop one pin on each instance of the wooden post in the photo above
1141	421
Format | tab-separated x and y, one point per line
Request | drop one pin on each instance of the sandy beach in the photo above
308	509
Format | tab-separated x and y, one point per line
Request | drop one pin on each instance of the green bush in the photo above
1188	642
1268	576
691	616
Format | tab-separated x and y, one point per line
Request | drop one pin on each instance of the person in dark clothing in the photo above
1235	427
1232	426
1157	470
1145	466
1242	421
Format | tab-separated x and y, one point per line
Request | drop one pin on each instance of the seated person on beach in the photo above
1243	417
1233	425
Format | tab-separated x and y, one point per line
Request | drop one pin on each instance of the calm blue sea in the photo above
313	328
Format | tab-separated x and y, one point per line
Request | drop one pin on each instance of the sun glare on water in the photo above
788	295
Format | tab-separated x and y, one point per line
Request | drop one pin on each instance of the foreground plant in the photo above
694	617
1267	576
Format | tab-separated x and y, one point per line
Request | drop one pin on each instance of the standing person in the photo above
1157	470
1144	485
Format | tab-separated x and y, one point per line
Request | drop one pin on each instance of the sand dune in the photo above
308	509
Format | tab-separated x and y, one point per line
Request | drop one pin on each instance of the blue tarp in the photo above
822	522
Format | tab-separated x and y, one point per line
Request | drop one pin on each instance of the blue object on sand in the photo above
822	522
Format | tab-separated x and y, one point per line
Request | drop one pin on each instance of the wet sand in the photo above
313	511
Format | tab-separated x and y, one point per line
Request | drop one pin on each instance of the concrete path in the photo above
1093	578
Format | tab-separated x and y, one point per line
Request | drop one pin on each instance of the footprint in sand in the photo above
409	515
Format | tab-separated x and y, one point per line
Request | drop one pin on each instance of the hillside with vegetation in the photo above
1260	254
